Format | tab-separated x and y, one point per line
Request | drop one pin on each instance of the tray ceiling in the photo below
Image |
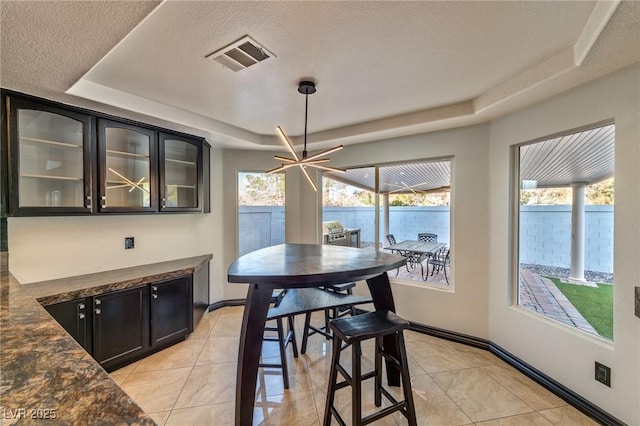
382	69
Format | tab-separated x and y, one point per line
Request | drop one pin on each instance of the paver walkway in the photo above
541	295
537	294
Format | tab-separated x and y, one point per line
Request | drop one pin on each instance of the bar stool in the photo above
283	339
352	331
329	314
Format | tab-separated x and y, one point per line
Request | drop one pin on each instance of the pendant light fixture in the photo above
306	88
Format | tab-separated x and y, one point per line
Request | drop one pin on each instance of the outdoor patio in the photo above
537	294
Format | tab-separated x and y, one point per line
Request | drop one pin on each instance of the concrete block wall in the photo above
259	226
545	236
545	231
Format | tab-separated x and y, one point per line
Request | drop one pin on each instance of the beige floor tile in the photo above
208	384
127	369
342	404
435	358
203	328
227	325
529	419
270	379
160	417
156	390
566	416
478	395
218	350
480	357
453	384
433	406
286	409
534	395
222	414
183	354
119	378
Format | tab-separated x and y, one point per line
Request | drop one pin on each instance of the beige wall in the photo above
469	148
565	354
54	247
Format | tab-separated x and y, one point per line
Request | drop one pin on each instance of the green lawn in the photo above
594	303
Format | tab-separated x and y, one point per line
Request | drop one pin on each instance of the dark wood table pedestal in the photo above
300	265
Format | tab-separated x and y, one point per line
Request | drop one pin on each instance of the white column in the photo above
577	232
385	223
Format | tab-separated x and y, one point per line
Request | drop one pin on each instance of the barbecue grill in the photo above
335	234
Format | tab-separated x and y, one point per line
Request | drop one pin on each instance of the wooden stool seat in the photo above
352	331
367	326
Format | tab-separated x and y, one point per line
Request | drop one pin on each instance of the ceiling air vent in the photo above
240	54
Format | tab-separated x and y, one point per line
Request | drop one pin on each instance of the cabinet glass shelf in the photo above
127	167
50	142
51	149
180	174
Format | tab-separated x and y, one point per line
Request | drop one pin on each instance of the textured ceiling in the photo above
382	69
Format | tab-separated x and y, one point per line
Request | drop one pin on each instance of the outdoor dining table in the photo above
296	266
422	247
406	247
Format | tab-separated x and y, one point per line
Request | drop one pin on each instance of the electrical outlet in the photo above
128	243
603	374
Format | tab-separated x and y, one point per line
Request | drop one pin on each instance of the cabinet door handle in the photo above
97	301
154	288
155	296
88	202
163	202
81	306
81	315
98	311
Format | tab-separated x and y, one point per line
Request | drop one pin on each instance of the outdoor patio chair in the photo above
413	259
427	237
439	261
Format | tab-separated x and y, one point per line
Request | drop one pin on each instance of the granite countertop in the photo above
45	374
71	288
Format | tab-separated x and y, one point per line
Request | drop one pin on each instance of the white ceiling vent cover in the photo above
241	54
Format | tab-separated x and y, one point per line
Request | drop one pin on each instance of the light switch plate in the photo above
638	302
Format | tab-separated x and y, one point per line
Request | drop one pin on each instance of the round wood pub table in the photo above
295	266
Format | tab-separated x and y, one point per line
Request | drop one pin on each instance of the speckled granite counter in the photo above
71	288
45	375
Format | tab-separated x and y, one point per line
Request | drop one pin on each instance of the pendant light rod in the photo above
306	111
306	88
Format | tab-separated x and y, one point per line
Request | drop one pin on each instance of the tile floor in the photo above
193	383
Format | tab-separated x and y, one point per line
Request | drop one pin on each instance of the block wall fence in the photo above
545	231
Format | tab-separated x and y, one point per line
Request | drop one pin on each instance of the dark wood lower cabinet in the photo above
120	326
75	317
171	310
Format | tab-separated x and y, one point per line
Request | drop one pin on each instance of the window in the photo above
260	211
565	208
414	198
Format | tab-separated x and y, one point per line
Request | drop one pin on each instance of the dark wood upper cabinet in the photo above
181	165
64	160
50	152
127	165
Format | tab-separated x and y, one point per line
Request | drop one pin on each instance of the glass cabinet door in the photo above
127	167
180	173
53	170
